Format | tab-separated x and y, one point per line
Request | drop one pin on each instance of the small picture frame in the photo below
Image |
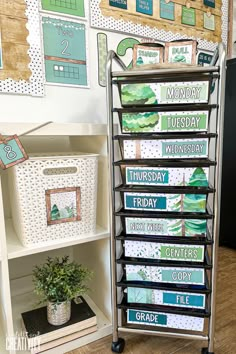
63	205
147	54
12	152
183	52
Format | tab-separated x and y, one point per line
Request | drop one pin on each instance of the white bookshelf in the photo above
24	302
91	250
15	249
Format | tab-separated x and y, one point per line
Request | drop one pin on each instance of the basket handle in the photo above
63	170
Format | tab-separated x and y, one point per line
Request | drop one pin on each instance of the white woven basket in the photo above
30	180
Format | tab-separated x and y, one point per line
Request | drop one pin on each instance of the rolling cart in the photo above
165	158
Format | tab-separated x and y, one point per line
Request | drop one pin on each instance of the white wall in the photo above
60	104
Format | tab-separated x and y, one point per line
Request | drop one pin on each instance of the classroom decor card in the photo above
65	7
177	176
65	52
11	152
195	203
181	52
165	227
139	94
166	298
155	122
165	149
170	275
63	205
150	318
164	251
147	55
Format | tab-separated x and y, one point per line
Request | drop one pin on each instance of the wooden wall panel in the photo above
14	40
176	26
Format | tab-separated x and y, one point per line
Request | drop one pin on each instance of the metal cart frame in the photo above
218	69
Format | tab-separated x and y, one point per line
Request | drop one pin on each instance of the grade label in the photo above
152	318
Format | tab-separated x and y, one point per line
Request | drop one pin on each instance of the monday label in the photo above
140	94
169	176
151	250
167	298
151	318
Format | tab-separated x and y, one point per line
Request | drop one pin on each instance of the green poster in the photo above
188	16
69	7
64	52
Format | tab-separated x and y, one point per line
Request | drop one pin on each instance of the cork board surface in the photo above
14	34
128	12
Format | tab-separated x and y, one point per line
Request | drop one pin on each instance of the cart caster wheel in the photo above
118	347
205	351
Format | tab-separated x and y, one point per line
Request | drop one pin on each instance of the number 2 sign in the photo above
11	152
65	52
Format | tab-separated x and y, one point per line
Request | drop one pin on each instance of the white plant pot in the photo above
58	313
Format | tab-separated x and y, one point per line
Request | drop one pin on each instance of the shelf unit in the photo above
139	235
91	250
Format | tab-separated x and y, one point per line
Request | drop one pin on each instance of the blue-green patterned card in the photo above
11	152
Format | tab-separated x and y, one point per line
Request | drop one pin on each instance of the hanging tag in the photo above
188	15
11	151
209	21
144	7
167	10
210	3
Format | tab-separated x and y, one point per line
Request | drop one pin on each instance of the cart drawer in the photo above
157	93
164	202
155	176
152	318
172	274
164	251
165	227
163	121
165	298
164	148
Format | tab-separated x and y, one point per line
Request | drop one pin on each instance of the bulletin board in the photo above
21	59
164	20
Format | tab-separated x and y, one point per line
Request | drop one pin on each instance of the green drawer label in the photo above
178	122
182	253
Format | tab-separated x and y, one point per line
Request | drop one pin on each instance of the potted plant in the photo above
57	282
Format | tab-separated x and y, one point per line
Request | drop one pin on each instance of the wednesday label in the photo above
169	148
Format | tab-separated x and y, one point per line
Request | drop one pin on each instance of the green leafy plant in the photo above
59	280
